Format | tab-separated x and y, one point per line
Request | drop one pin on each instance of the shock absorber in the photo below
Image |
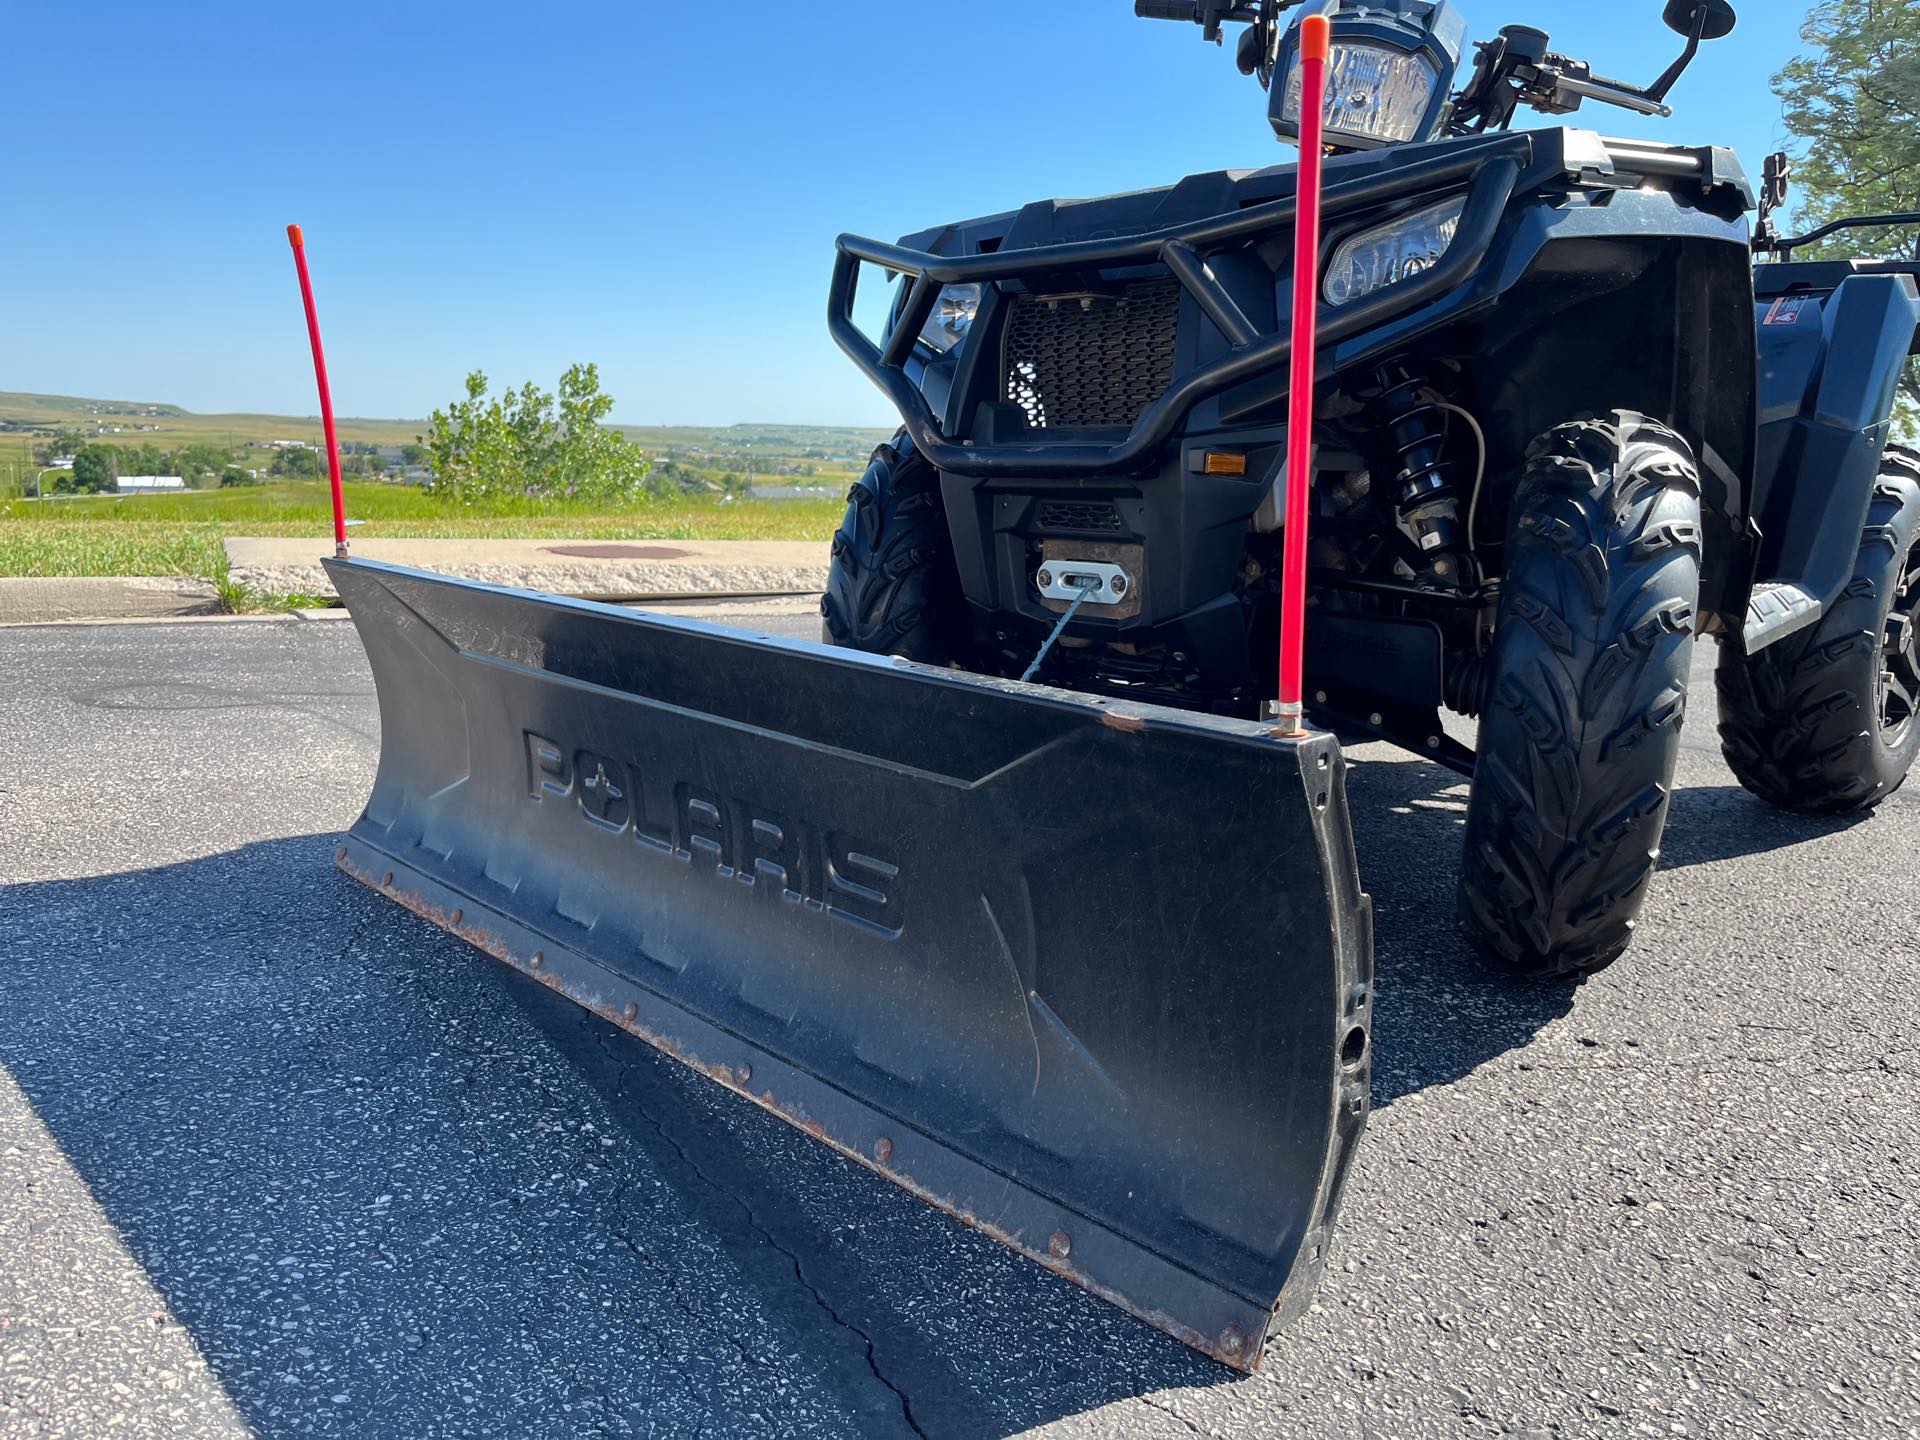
1424	491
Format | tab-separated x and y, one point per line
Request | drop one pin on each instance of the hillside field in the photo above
181	534
828	456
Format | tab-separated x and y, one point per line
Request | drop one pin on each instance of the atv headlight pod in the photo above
1388	74
1390	253
952	317
1376	95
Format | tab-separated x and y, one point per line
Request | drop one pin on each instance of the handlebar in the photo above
1200	12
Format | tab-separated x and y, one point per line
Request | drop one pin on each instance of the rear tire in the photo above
891	587
1587	685
1808	724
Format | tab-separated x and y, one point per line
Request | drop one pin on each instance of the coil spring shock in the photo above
1425	495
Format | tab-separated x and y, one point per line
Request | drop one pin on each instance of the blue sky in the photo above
653	186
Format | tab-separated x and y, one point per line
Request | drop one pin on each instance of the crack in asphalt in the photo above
604	1036
1153	1402
674	1296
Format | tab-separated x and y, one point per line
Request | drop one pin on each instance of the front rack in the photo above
1491	168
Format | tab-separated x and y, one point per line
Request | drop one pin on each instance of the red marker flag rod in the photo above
299	243
1315	32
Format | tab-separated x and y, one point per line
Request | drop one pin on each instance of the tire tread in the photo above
1581	734
1799	724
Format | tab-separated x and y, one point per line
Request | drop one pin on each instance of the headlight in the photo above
1376	95
1392	252
952	317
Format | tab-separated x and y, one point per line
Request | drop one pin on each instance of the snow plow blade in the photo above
1091	976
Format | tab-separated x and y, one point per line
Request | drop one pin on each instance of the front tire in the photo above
1824	722
891	586
1587	685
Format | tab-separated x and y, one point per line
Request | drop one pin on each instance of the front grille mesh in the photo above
1095	516
1092	360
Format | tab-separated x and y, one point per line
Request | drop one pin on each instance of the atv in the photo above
1543	465
1087	963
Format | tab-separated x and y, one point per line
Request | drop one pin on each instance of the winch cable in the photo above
1087	586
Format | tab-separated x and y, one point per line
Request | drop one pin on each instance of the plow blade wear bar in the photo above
1092	977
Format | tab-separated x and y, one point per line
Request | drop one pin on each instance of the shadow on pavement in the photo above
391	1188
361	1160
1441	1010
1723	822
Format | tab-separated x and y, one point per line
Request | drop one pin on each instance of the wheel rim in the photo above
1900	657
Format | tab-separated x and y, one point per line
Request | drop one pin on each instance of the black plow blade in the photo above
1092	977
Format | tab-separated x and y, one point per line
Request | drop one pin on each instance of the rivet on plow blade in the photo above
867	887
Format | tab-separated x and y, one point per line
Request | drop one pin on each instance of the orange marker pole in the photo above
1315	32
299	243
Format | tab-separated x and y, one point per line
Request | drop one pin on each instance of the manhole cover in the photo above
617	552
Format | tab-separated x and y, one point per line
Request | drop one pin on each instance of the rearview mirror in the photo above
1709	18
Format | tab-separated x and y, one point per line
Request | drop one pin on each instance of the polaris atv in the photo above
1543	464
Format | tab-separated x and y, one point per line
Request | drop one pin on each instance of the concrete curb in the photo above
31	600
593	569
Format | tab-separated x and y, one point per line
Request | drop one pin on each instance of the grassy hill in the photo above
181	534
832	453
136	422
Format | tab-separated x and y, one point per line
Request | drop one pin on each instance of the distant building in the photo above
148	484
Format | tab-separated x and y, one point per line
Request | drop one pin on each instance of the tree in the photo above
1852	102
233	477
297	463
587	461
63	444
518	444
95	468
413	454
198	463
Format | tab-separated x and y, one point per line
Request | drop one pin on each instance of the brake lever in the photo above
1559	83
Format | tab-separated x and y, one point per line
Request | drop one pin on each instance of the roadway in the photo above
277	1156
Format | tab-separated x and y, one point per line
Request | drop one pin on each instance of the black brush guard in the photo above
1092	977
1489	169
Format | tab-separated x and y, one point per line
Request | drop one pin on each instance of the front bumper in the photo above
1188	252
1242	356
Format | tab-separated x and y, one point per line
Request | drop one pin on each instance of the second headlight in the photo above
952	317
1392	252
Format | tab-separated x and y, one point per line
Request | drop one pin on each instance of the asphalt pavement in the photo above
276	1156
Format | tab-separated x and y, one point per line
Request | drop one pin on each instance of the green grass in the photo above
182	534
74	547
